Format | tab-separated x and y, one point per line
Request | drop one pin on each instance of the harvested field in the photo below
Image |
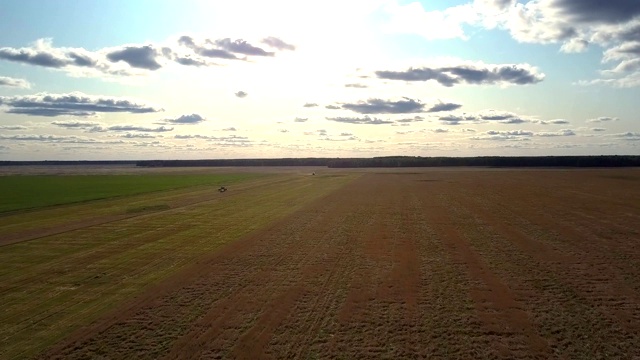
386	264
61	267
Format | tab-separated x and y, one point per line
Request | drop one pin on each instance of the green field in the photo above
52	285
26	192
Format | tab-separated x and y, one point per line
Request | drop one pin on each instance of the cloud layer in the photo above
379	106
186	120
366	120
575	25
136	59
13	82
478	74
72	104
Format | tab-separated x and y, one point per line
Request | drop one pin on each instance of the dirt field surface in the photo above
67	265
406	264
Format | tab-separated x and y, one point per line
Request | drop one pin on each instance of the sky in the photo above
196	79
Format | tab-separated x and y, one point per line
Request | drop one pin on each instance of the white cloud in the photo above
13	82
602	119
574	45
478	73
72	104
574	25
138	59
412	18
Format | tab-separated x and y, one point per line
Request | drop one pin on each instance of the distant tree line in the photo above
386	161
490	161
416	161
67	162
237	162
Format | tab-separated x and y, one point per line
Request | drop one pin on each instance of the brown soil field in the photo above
410	263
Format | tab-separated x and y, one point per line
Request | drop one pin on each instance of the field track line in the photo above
284	194
136	306
551	258
426	264
495	303
565	256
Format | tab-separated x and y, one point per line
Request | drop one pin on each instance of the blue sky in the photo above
245	79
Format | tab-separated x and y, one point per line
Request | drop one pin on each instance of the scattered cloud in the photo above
320	132
332	107
229	129
575	45
186	137
574	24
475	74
231	140
61	139
42	53
241	94
13	82
513	121
501	117
350	138
598	129
240	47
379	106
632	136
308	105
444	107
440	130
205	49
496	115
137	59
72	104
133	128
519	135
357	86
45	138
457	119
410	120
276	43
602	119
596	11
298	119
138	136
564	132
76	124
141	57
515	135
185	119
188	60
12	127
551	122
513	132
366	120
628	81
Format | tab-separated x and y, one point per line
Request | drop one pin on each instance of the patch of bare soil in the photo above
471	264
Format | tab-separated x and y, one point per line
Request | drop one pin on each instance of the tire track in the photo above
499	311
